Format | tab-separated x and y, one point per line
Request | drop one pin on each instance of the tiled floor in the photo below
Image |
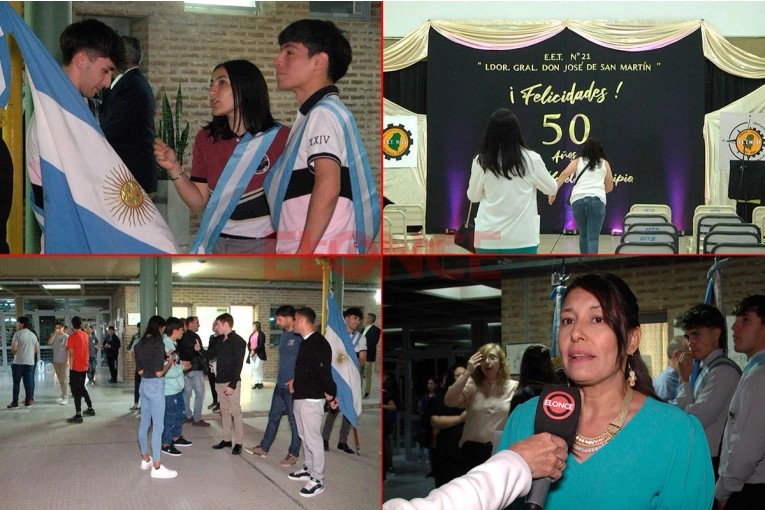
550	244
48	463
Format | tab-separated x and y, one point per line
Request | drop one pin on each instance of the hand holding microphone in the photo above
544	453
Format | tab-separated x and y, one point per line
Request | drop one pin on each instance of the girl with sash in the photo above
231	158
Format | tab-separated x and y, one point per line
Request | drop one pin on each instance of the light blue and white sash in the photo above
721	361
366	204
236	176
756	360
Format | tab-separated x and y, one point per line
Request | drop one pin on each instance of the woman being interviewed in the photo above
484	390
231	158
593	179
504	178
632	451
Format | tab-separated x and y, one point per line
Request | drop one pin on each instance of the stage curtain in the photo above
716	178
408	87
407	185
621	35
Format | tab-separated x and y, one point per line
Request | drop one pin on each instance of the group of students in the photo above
262	187
623	425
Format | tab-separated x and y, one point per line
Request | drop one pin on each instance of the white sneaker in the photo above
163	472
63	402
146	464
312	488
59	399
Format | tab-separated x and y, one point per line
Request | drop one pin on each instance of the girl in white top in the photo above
484	390
592	180
504	178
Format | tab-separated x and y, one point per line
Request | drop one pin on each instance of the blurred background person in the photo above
424	434
536	371
391	403
448	423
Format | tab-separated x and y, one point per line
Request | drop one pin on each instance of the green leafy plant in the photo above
170	130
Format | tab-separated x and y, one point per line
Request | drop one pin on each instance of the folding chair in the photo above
652	209
738	248
717	237
705	222
733	228
714	209
758	217
633	236
646	248
414	218
654	227
396	236
631	218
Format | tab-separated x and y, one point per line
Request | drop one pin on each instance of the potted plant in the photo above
167	200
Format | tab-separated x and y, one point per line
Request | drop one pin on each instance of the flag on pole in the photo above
345	365
92	203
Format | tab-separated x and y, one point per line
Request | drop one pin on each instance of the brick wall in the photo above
183	48
261	299
659	286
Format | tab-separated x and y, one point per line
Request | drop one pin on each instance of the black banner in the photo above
646	107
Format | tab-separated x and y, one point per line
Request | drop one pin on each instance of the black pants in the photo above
211	378
77	383
136	395
112	361
751	497
474	454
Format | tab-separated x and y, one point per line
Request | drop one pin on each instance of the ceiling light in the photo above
188	268
378	296
62	286
465	293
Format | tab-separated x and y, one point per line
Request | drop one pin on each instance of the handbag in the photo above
465	234
575	181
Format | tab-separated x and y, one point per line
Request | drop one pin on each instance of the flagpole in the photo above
324	263
13	134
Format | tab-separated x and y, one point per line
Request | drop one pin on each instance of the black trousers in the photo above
751	497
211	378
77	383
474	454
112	361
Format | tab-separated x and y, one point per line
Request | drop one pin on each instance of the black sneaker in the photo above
312	488
212	405
182	441
171	450
366	395
326	445
29	402
301	474
13	406
344	447
89	412
75	419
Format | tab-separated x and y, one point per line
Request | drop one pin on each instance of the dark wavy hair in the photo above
251	101
537	367
705	316
448	377
593	152
500	149
94	38
319	36
153	327
620	312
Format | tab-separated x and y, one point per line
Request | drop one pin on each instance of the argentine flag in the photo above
345	365
93	204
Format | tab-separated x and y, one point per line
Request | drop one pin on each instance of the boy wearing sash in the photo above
742	459
321	193
709	398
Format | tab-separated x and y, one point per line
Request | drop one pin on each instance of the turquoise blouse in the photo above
659	460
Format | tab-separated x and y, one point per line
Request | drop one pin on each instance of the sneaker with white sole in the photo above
59	399
301	474
256	450
146	464
64	402
163	472
312	488
289	460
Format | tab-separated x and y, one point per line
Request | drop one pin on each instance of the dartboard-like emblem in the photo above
126	200
397	142
745	141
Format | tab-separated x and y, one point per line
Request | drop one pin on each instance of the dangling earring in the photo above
632	378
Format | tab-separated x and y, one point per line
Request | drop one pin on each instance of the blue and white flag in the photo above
236	176
345	365
92	203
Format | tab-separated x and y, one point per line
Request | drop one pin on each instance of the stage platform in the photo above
550	244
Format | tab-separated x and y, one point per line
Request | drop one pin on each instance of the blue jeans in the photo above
589	213
152	412
174	410
27	374
194	379
281	403
92	369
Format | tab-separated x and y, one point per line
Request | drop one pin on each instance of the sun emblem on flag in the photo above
342	358
125	198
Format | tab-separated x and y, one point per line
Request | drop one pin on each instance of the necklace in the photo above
584	444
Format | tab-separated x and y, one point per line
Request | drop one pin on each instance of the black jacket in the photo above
127	120
372	336
229	354
313	369
186	352
114	350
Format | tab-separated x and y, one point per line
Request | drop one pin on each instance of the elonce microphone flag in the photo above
558	412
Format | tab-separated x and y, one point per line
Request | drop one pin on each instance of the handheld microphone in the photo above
557	413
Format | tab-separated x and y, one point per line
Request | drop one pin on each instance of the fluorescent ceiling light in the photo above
188	268
465	293
378	296
62	286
